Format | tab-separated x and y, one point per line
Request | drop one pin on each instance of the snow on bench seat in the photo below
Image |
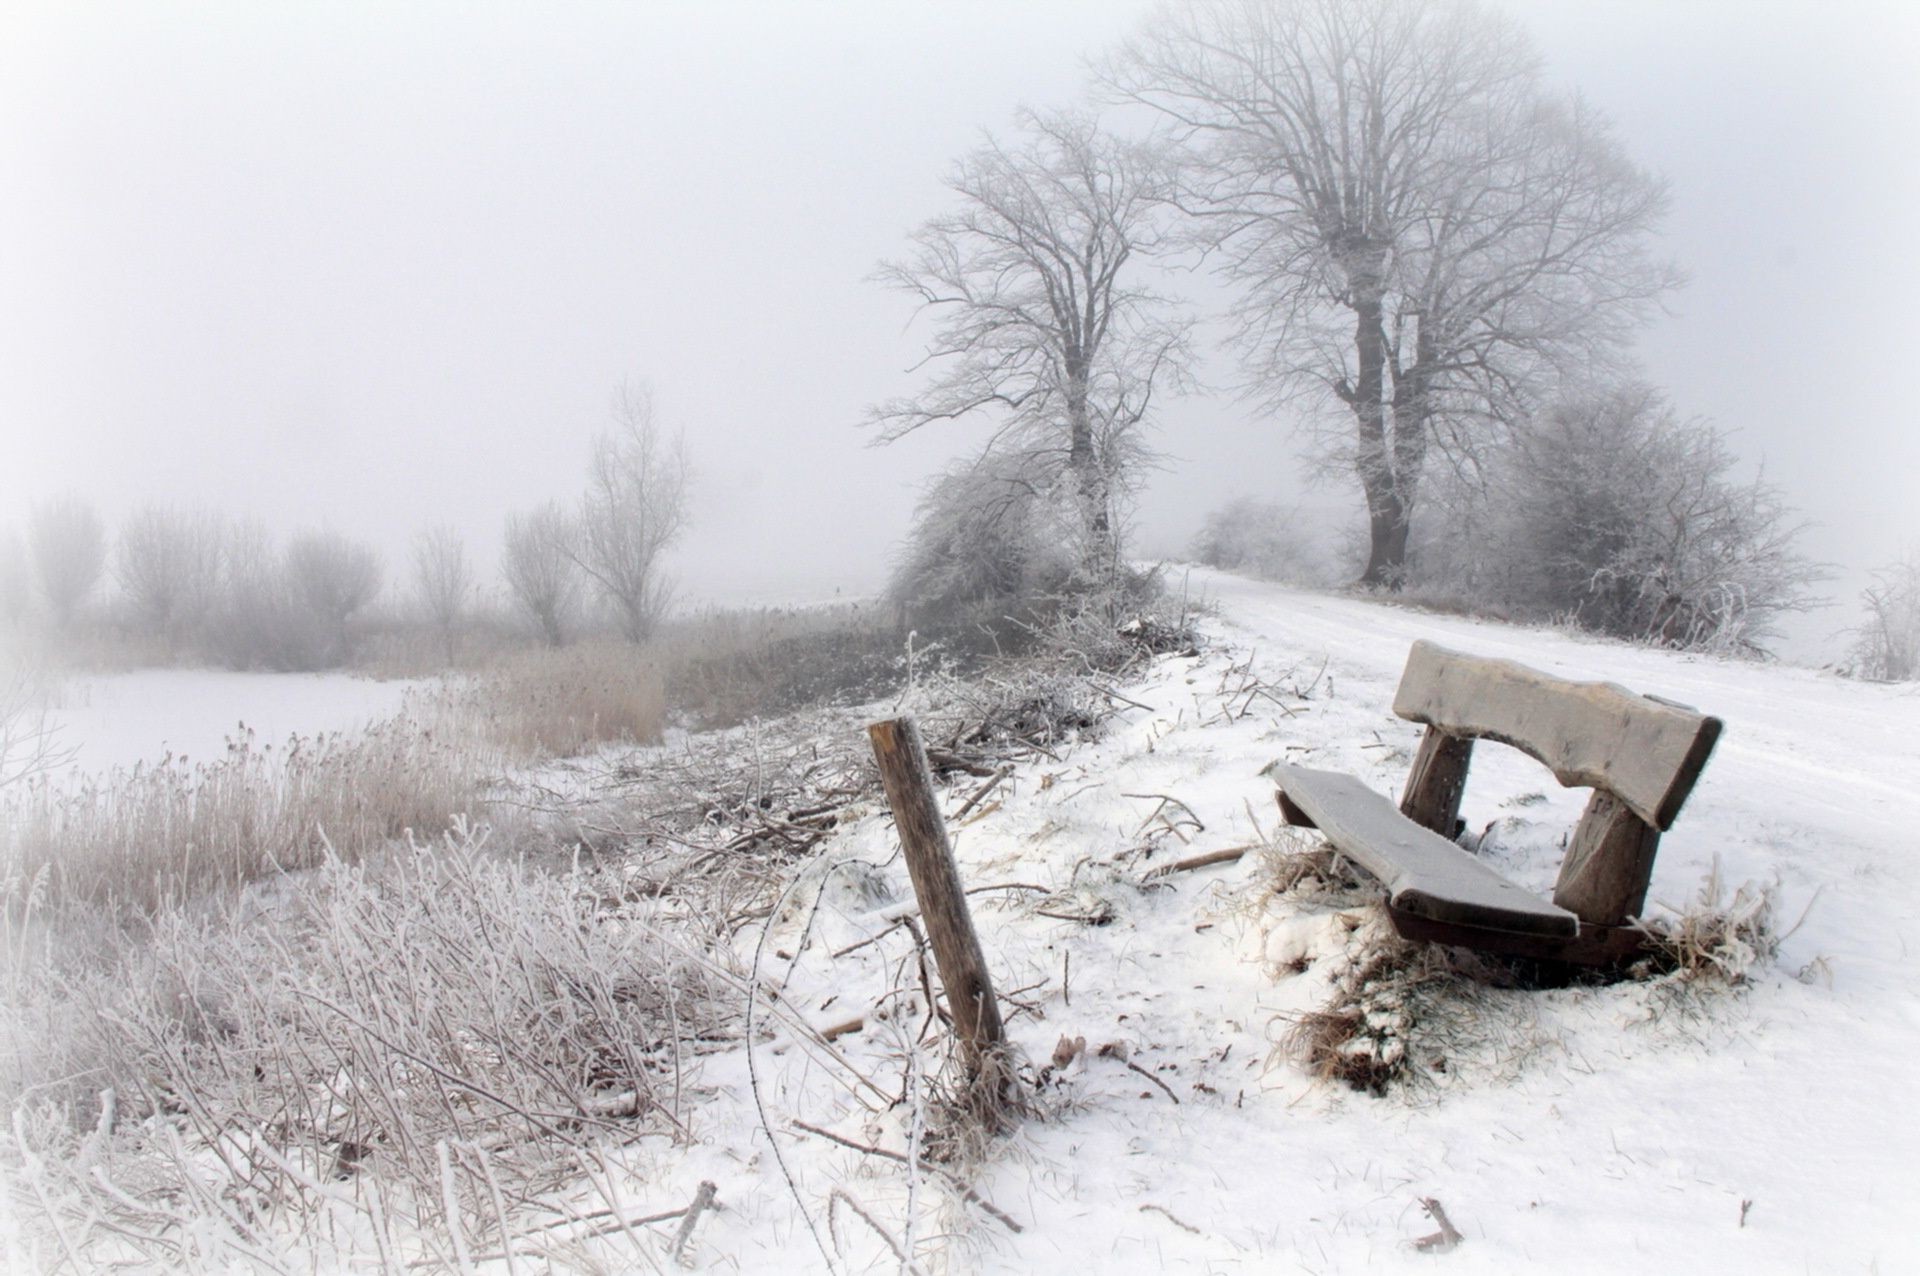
1424	873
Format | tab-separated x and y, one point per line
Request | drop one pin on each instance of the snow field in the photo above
1578	1129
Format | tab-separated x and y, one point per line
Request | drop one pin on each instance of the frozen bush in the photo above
69	550
984	533
1259	538
1887	645
1609	510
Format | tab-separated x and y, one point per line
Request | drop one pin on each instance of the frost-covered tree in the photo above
1041	322
539	567
984	532
1421	235
634	509
167	563
1609	509
332	577
1259	537
442	582
1887	644
68	546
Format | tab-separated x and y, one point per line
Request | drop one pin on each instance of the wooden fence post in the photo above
943	905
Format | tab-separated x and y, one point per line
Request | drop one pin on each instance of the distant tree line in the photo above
172	584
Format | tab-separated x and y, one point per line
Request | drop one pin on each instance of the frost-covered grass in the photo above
388	1058
134	841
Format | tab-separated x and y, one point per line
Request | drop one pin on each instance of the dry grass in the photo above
390	1060
545	702
133	841
1397	1012
1717	940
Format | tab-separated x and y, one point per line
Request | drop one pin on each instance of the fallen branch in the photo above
702	1200
1444	1239
1225	855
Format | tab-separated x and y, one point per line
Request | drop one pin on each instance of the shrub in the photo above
983	534
131	841
1887	645
1259	538
560	702
1609	510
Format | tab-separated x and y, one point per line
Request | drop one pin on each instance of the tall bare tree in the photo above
442	581
1041	322
68	546
539	565
333	577
1421	234
168	564
634	509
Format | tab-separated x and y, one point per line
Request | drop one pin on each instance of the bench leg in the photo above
1438	778
1603	880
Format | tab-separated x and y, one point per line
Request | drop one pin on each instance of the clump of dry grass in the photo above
400	1056
1396	1013
133	840
1717	940
547	702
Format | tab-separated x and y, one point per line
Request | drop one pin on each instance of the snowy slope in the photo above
1587	1129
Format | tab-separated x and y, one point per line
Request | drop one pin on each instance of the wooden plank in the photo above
1594	734
1603	879
1424	873
943	905
1437	781
1593	946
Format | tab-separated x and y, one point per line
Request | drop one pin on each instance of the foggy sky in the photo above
376	266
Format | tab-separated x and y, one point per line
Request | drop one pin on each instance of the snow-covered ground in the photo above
103	721
1586	1129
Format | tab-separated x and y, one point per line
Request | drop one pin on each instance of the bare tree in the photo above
69	550
1421	235
539	565
442	581
634	509
1887	644
168	565
332	577
1041	322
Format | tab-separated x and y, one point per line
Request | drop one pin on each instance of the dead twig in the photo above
1170	1217
702	1200
1444	1239
1225	855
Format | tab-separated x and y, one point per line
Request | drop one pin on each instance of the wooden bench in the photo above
1640	756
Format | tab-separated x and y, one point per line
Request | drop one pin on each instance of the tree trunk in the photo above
1091	489
1386	517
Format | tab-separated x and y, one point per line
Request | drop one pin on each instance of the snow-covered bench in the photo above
1639	755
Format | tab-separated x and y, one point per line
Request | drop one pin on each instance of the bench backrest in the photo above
1644	752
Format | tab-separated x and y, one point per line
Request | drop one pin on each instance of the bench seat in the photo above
1425	874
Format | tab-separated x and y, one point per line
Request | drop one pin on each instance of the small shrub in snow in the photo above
1887	645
